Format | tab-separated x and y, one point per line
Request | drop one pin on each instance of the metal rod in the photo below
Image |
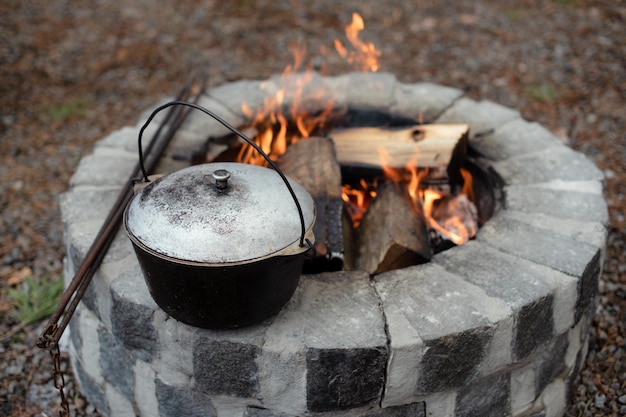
96	253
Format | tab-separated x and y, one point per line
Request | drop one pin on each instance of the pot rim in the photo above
292	249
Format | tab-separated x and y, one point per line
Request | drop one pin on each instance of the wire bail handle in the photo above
303	242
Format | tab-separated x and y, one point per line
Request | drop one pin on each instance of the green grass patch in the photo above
542	92
33	300
65	111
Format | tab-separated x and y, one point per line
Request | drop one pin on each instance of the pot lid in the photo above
219	213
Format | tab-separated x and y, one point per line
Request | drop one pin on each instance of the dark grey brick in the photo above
551	363
574	375
225	367
90	389
410	410
181	401
341	379
534	327
588	287
452	361
131	316
116	364
486	398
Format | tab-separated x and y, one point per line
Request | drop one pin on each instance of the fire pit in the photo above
496	326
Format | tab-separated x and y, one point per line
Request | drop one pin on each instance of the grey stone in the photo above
515	138
371	90
563	204
226	368
557	251
482	117
501	275
417	409
489	397
452	361
102	169
309	93
263	412
340	310
131	315
589	232
233	95
534	327
588	287
341	379
422	99
206	126
551	363
83	205
181	401
557	163
116	364
90	389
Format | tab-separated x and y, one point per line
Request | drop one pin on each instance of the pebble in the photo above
599	401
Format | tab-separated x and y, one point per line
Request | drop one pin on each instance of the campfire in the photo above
389	192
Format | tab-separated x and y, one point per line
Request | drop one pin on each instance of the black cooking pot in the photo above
221	245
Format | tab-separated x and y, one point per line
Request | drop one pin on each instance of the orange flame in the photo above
365	55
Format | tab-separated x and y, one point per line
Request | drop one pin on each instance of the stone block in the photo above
557	163
523	384
553	398
557	251
551	363
132	308
127	139
176	342
119	404
588	232
111	169
89	327
452	361
440	404
206	126
482	117
223	367
588	287
500	275
534	327
233	95
116	364
342	379
307	92
563	204
84	204
336	319
181	401
145	389
371	90
514	138
90	388
422	99
488	397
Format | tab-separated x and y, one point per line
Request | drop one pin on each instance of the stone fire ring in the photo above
498	326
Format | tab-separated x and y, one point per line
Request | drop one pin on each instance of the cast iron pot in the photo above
221	245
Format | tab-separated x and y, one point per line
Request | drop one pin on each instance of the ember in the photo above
423	162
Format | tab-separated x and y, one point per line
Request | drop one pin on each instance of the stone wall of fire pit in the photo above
497	326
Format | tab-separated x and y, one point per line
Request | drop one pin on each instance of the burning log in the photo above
313	164
392	234
421	146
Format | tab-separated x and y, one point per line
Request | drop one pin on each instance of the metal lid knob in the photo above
221	177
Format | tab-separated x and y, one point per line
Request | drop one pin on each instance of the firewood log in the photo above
392	233
312	163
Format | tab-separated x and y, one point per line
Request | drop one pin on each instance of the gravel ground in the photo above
73	71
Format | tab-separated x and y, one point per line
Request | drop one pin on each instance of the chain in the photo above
59	380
